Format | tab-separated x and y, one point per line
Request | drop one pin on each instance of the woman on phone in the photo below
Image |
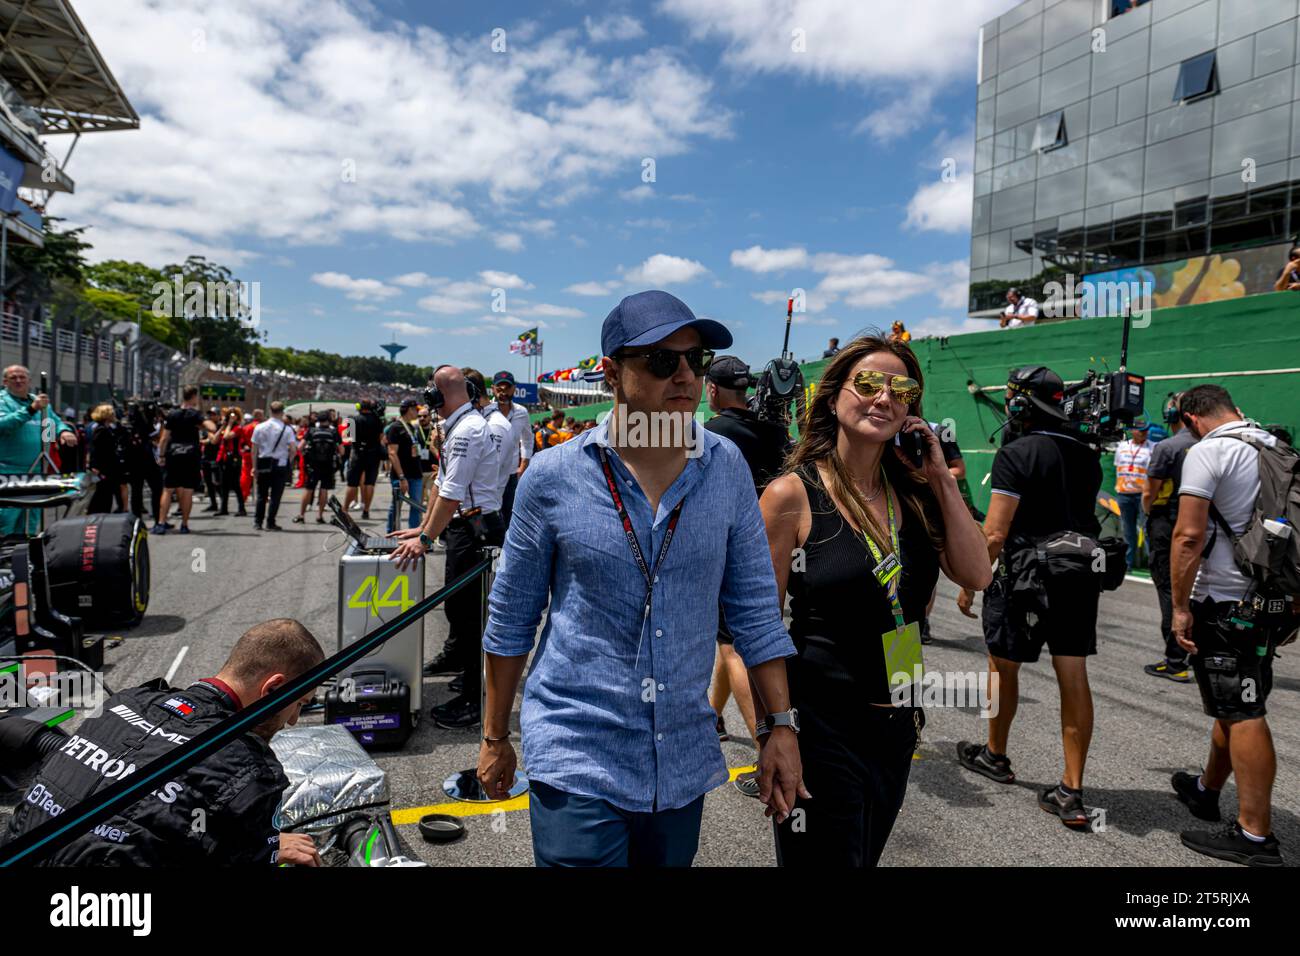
858	536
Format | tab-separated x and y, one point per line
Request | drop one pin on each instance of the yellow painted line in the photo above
458	809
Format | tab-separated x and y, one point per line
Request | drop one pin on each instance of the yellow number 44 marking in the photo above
398	595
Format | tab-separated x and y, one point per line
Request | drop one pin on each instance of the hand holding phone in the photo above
912	446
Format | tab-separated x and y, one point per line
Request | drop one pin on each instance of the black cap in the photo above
408	403
500	377
1043	387
728	371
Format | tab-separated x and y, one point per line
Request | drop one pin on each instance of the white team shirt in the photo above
274	439
1026	308
503	435
470	461
1226	471
523	435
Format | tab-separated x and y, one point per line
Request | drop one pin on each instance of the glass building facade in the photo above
1118	133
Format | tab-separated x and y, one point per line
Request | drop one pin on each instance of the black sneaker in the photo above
457	713
273	527
1204	804
1068	806
721	726
365	515
456	684
442	664
298	519
925	632
1174	672
1228	843
979	758
257	525
747	783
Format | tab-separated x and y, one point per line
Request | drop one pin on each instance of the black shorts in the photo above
1234	678
363	463
322	478
182	471
1068	630
724	635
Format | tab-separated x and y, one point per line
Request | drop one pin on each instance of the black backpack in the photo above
1268	549
322	445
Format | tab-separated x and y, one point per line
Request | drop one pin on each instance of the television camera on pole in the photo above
781	383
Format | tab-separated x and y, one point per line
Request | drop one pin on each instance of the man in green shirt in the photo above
27	424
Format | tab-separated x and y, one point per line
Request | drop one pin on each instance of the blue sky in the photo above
380	169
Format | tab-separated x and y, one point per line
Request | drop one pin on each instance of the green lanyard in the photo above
888	570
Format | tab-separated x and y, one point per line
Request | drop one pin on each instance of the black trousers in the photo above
145	472
271	486
508	500
209	470
230	474
465	608
857	772
104	499
1160	536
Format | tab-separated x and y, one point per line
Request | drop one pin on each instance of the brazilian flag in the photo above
529	336
587	364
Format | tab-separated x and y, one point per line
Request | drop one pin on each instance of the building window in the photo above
1049	134
1118	7
1197	77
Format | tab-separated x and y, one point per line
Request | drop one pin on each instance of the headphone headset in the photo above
433	396
1171	413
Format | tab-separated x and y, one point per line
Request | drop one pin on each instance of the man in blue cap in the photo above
632	533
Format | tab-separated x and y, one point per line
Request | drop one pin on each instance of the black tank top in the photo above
840	610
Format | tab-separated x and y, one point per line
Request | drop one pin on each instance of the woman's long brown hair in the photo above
819	431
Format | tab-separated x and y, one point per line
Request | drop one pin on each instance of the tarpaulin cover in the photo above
330	776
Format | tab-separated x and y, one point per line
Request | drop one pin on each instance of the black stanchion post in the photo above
465	785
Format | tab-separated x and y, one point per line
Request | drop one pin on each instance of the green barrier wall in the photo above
1194	344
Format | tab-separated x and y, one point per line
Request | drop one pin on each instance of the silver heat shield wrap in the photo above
330	777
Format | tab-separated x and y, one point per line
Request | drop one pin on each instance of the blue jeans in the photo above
1130	517
414	488
572	830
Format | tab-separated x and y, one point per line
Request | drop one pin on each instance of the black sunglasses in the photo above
662	363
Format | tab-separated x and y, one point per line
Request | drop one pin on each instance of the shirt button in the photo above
659	632
659	736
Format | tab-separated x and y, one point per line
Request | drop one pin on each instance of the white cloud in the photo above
952	286
661	270
848	40
942	206
365	308
539	227
418	280
358	289
508	241
593	288
900	116
503	280
408	328
554	311
758	259
613	27
332	106
637	193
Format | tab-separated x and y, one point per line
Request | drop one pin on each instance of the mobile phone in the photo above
45	383
913	447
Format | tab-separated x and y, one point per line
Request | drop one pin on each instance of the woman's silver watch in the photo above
786	718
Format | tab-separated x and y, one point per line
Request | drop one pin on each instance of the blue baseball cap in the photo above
649	317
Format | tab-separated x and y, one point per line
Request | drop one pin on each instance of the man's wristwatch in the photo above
786	718
426	541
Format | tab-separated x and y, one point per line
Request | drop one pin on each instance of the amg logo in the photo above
96	758
75	909
135	720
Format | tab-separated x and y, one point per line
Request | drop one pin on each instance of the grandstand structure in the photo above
53	81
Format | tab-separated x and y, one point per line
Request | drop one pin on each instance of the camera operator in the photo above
764	445
27	425
1020	311
1231	649
468	508
179	451
366	453
1044	485
1160	502
217	813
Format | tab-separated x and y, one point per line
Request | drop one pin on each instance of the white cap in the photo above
248	416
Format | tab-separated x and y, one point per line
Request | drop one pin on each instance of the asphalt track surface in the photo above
1146	728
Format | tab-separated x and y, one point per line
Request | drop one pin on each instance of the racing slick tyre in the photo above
99	569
